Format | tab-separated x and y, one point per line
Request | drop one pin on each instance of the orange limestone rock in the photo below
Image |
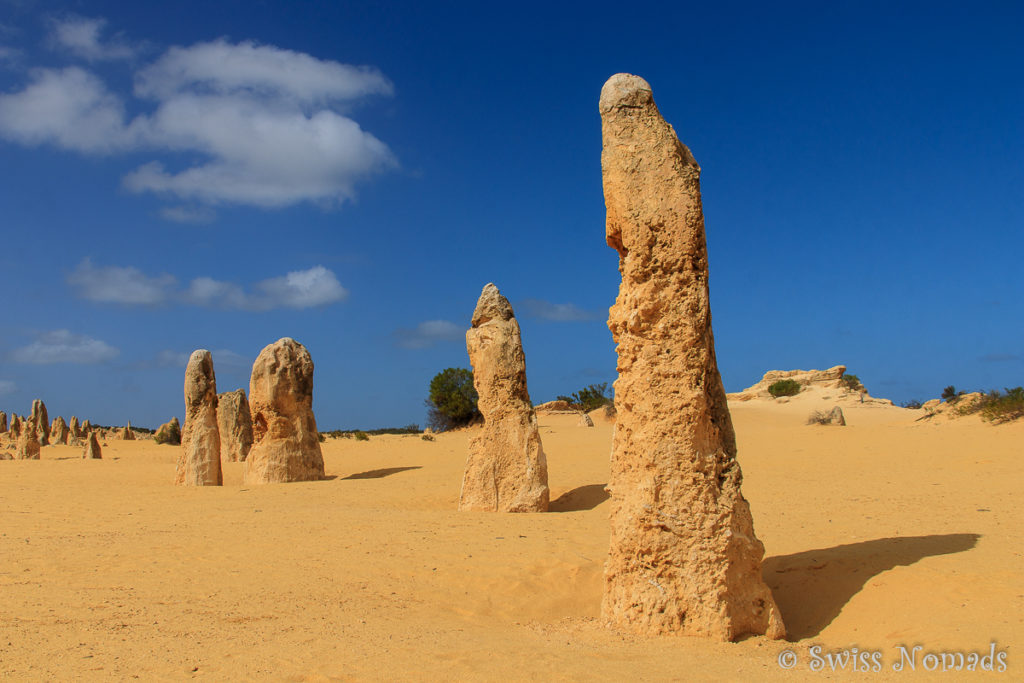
506	470
285	442
235	425
683	556
199	462
28	443
92	448
59	431
3	421
41	422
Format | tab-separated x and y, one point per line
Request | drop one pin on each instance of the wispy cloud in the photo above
7	387
316	286
266	122
188	214
81	37
63	346
429	333
1000	357
120	284
546	310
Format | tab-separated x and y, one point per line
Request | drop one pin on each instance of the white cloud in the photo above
81	37
264	122
63	346
538	308
265	71
303	289
316	286
122	285
188	214
7	387
69	108
429	333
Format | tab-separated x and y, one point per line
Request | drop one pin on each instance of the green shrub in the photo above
912	404
452	399
951	395
360	436
851	382
588	398
1003	407
784	387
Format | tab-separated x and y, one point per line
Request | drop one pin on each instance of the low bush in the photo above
951	395
819	417
784	387
1002	407
588	398
360	436
912	404
452	399
851	382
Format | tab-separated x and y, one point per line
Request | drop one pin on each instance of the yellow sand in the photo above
884	532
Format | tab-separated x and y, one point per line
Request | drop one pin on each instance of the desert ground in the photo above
890	531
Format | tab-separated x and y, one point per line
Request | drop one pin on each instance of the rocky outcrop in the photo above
554	407
15	428
40	421
75	428
683	556
285	443
506	470
92	448
831	378
585	420
169	433
235	423
86	427
3	421
59	431
126	433
28	444
199	462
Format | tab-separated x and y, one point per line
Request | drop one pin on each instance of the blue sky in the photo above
222	174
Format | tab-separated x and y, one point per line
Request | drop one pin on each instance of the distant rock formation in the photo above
28	443
199	463
683	556
831	378
235	423
285	441
14	430
126	433
59	431
554	407
86	427
92	448
169	433
75	428
506	470
40	421
3	421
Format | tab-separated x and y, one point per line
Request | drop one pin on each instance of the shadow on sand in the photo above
581	498
812	587
379	474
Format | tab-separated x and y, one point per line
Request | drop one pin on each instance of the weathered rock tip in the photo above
625	90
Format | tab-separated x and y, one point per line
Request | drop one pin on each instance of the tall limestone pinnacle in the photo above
199	462
683	556
506	470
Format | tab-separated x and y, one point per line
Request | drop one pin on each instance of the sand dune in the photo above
882	533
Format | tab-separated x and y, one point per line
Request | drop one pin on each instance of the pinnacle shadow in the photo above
812	587
580	498
381	473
